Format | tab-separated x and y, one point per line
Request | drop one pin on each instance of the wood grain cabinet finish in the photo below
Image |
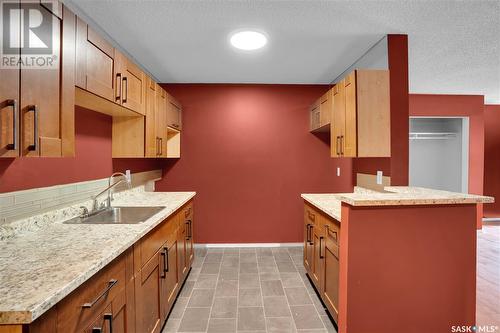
37	104
161	122
95	63
130	84
174	113
321	256
321	112
360	124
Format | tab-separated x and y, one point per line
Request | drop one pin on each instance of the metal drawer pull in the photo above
15	118
164	272
125	89
111	283
320	255
118	85
96	330
109	316
189	234
34	109
167	264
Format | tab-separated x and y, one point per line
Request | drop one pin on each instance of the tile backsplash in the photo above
21	204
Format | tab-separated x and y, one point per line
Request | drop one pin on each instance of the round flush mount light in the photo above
248	40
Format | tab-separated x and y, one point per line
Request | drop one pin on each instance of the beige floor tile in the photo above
217	325
276	306
201	298
280	325
249	281
194	320
272	288
206	281
226	288
306	317
250	297
251	319
224	307
297	296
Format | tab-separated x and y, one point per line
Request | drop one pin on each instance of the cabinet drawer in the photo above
310	215
332	231
82	306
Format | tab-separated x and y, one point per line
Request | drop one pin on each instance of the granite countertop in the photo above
40	267
330	203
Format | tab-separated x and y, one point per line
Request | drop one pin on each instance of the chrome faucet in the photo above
95	206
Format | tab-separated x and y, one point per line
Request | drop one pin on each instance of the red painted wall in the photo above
247	152
92	159
471	106
492	158
407	268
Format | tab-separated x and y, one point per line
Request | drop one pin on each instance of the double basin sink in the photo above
118	215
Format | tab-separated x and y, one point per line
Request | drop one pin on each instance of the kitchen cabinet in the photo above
131	84
360	125
321	256
170	279
148	300
174	113
161	122
151	141
330	270
37	104
321	113
189	218
95	63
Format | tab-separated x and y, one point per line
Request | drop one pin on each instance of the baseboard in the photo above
491	219
261	245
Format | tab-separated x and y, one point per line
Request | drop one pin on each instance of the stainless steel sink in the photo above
118	215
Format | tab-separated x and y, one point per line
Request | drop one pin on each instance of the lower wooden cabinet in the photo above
134	293
321	256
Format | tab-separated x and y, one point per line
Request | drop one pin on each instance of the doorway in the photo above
439	153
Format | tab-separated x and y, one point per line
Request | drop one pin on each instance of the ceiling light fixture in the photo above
248	40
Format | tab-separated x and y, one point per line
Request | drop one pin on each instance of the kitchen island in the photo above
402	260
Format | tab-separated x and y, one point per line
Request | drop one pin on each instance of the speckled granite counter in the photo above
330	203
42	265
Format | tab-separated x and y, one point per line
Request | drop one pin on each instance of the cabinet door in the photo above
118	315
174	113
151	138
317	260
133	84
338	119
309	220
40	99
330	289
325	108
170	278
161	121
9	112
182	252
148	299
189	242
95	63
349	141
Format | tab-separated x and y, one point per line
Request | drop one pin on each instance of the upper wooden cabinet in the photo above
321	113
37	103
161	122
131	84
95	63
174	113
360	124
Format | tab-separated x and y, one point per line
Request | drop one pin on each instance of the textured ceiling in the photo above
454	46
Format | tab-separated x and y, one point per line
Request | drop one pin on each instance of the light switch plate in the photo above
379	177
338	171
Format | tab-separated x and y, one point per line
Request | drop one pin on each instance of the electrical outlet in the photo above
379	177
338	171
128	175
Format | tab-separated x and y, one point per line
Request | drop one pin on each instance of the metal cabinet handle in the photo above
34	109
320	240
167	264
15	114
164	272
338	145
341	145
188	233
161	146
109	317
96	330
308	234
111	283
118	84
125	89
157	146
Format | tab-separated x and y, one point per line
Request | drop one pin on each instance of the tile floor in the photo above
248	290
